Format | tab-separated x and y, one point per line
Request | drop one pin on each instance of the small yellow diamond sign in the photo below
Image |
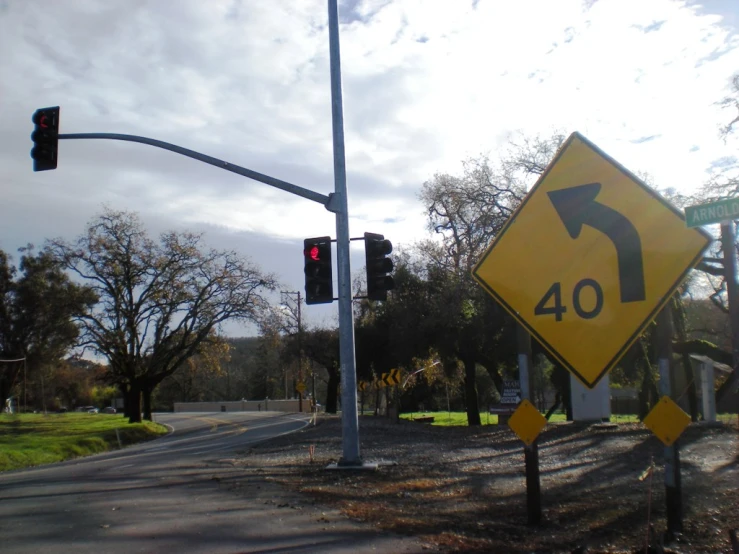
667	420
300	387
527	422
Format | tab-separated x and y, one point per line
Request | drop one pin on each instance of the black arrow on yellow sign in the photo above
392	378
576	206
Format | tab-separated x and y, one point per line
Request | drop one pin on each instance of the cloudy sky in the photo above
426	84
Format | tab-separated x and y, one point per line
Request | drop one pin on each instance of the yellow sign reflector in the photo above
667	420
300	387
527	422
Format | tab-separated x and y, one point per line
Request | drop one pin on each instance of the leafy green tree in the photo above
321	346
71	383
37	304
199	378
160	301
467	213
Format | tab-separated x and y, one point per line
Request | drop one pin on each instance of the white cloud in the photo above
425	86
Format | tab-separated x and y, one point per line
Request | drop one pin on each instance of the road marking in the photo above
213	422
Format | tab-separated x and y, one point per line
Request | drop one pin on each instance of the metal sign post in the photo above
531	451
724	212
673	487
728	244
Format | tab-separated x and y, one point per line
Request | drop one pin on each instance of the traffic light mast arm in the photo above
266	179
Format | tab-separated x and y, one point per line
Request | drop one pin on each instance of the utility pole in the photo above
300	357
728	244
297	314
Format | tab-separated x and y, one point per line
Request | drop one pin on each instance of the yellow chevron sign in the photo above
391	378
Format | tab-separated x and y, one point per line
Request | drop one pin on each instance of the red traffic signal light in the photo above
313	252
45	138
319	284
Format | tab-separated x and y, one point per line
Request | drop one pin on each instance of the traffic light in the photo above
319	283
379	266
45	138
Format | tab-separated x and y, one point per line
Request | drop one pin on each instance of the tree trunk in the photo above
5	390
470	393
126	400
567	400
332	392
146	393
560	379
648	395
134	403
678	321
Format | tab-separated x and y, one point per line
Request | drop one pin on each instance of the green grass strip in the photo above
28	440
452	419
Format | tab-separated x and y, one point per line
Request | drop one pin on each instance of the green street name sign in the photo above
715	212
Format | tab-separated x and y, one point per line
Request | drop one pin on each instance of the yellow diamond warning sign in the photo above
527	422
588	259
667	420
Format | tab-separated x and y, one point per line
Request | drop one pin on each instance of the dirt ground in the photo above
463	489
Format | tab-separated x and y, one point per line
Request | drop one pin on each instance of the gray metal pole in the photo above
349	419
300	355
233	168
530	451
673	486
728	243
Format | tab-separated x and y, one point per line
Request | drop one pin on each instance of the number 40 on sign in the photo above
588	259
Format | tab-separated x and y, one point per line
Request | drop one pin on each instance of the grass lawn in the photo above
33	439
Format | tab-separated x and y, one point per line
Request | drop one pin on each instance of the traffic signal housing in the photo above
379	266
45	138
319	283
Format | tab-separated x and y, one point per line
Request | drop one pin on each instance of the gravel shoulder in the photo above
463	489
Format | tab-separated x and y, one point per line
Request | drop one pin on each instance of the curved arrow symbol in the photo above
576	206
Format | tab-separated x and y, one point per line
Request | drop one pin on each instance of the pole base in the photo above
342	464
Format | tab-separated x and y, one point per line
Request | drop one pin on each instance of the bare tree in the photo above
731	102
160	302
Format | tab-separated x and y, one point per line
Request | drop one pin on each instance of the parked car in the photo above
87	409
109	410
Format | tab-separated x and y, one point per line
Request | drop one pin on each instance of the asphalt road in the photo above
180	493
